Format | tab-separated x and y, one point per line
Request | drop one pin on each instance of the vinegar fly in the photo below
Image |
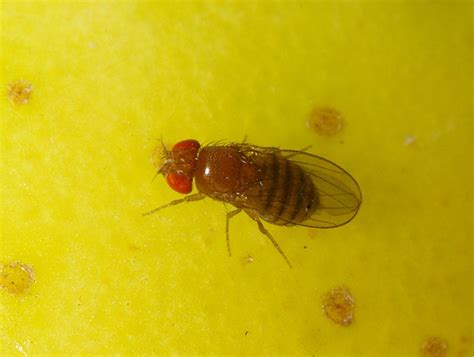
283	187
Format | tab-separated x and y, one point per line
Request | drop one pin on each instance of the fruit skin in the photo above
109	79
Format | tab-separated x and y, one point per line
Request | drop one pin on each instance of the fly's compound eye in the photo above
188	145
180	183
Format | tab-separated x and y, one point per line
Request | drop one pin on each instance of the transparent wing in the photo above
339	194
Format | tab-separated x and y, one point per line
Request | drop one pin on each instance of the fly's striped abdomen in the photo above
288	195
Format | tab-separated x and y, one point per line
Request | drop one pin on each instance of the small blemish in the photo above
133	247
409	140
19	92
312	233
247	259
21	349
325	121
338	306
434	347
466	347
16	278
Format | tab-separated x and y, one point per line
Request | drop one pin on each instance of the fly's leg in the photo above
228	217
267	233
275	244
190	198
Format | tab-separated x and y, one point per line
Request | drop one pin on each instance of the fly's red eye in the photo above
180	183
189	144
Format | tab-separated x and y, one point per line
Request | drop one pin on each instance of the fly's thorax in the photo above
218	170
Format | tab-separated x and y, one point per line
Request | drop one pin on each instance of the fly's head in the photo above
179	165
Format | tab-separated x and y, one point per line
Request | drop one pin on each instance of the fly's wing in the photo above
339	194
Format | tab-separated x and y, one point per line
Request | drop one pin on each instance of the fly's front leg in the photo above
228	217
262	229
190	198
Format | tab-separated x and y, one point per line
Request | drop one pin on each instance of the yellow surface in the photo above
109	79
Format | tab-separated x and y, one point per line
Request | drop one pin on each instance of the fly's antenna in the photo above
165	151
164	155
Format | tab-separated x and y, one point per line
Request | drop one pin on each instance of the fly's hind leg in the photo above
190	198
228	217
267	233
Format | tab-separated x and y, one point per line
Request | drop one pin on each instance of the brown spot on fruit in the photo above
19	92
16	278
434	347
338	306
325	121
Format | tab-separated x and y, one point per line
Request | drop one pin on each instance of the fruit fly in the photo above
282	187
